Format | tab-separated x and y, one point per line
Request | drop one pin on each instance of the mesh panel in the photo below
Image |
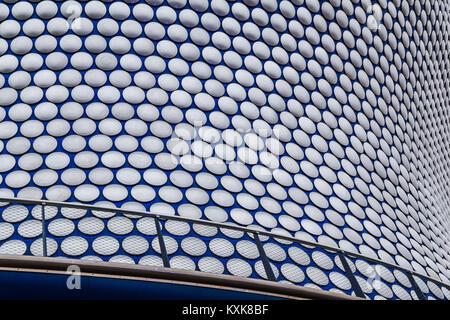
101	235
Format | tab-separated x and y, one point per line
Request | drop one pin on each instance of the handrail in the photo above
158	216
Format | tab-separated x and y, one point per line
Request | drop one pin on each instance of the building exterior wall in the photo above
326	121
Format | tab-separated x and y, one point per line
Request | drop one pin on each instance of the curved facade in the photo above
326	121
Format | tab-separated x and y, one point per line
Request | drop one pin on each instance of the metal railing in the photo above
195	244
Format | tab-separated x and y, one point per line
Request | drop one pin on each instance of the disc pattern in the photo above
321	120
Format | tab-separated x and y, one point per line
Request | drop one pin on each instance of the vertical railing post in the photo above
415	286
351	277
265	260
44	231
162	245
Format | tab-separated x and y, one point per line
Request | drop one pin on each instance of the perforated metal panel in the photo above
322	121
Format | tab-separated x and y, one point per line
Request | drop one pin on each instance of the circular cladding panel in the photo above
177	228
317	276
211	265
15	213
340	281
382	289
30	229
182	262
299	256
292	272
50	212
146	226
121	259
105	245
6	230
91	226
16	247
247	249
61	227
435	290
151	261
290	89
91	258
322	260
36	247
230	233
221	247
74	246
170	243
120	225
72	213
274	252
193	246
239	267
204	230
189	211
261	271
135	245
401	293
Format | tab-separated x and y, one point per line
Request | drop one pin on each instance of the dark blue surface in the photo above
30	285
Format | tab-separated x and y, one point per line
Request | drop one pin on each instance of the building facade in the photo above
320	121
